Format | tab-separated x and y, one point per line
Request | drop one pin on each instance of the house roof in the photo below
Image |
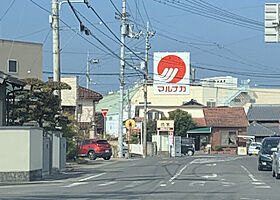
256	129
192	102
225	117
85	93
11	79
264	112
200	122
112	101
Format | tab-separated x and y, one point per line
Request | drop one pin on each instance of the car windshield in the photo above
268	144
102	142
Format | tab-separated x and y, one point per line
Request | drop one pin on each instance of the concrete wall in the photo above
36	149
28	56
21	153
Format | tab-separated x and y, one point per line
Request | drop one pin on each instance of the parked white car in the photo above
254	148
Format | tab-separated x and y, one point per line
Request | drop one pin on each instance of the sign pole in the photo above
104	113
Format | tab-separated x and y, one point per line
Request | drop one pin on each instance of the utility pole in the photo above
56	45
90	61
122	65
129	104
147	35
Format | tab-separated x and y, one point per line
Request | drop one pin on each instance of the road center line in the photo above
95	176
109	183
178	174
75	184
249	174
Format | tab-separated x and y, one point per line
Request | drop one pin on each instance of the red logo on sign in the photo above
104	111
171	69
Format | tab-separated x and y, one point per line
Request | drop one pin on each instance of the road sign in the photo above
104	111
272	22
130	124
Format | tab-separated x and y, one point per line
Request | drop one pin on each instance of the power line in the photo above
5	13
147	14
203	13
105	46
93	10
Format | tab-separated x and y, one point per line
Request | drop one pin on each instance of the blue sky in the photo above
217	48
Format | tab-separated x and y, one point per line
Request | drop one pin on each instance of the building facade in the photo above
81	102
21	59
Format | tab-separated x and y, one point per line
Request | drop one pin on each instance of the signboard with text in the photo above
171	73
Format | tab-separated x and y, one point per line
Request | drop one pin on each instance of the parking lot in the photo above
196	177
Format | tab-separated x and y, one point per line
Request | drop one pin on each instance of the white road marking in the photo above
75	184
210	165
109	183
210	176
178	174
162	185
249	174
172	183
263	187
134	184
258	183
197	183
212	160
95	176
228	183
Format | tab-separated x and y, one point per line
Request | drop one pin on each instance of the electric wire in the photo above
94	11
5	13
103	44
202	13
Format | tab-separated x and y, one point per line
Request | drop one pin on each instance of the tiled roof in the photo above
256	129
200	122
192	102
225	117
85	93
264	112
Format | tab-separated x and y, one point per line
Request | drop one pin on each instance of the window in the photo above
150	116
157	116
12	66
211	104
228	138
80	109
86	142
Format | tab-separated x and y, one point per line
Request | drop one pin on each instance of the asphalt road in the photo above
198	177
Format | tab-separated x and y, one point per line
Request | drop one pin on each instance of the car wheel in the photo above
273	173
260	168
91	155
190	153
277	176
107	158
249	154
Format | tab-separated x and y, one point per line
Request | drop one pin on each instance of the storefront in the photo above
201	137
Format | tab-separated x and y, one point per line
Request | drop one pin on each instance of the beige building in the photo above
205	95
21	59
81	102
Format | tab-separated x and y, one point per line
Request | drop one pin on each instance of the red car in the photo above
95	148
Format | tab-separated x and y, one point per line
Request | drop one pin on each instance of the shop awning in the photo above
200	130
